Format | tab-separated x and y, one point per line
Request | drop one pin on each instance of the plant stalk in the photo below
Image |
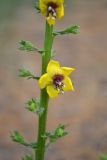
44	98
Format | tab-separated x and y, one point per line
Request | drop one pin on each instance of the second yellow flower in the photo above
56	80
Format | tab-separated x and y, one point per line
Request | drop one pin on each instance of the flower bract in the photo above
56	80
52	9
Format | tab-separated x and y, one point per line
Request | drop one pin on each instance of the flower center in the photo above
57	82
51	13
51	9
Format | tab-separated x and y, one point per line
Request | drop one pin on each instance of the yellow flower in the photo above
52	9
56	79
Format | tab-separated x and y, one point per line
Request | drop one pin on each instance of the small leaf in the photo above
26	46
33	104
37	6
25	73
51	137
27	157
33	145
103	157
60	131
17	137
73	29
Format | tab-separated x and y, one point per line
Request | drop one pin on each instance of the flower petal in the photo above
50	20
58	2
67	84
67	70
43	7
60	11
51	91
52	64
54	68
44	80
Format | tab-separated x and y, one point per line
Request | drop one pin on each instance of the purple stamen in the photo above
51	9
58	84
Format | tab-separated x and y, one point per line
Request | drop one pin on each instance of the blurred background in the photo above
85	110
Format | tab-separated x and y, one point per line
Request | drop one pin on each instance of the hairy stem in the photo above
44	98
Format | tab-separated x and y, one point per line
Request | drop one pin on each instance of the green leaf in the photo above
103	157
51	137
25	73
17	137
28	46
33	104
59	132
27	157
37	6
72	29
33	145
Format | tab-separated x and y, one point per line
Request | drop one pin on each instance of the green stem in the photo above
44	98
